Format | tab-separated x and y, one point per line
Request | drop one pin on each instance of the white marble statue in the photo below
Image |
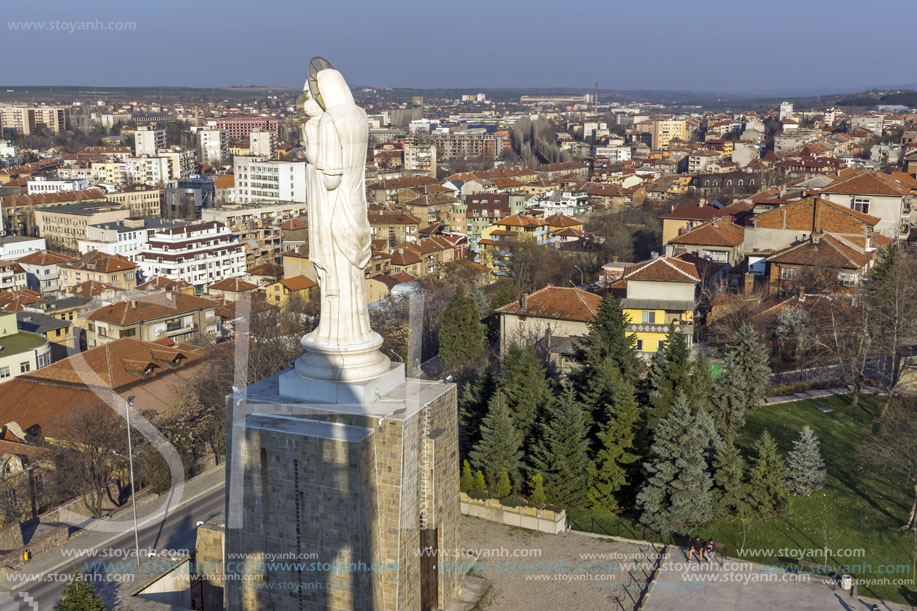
343	346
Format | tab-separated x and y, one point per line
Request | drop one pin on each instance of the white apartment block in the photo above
8	150
40	184
148	141
242	215
199	254
15	246
212	145
259	180
263	143
126	238
181	163
420	156
615	153
147	170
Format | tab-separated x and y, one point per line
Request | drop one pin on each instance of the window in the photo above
787	273
103	331
661	345
847	278
640	345
4	372
24	367
649	318
44	359
860	204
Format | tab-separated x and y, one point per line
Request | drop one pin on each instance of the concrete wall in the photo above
542	520
669	291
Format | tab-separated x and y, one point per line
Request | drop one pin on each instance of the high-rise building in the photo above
261	180
241	127
263	143
148	140
665	130
786	111
24	119
212	145
199	254
420	155
186	198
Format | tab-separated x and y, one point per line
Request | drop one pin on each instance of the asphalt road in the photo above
176	531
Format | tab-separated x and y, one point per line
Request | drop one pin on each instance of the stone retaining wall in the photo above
543	520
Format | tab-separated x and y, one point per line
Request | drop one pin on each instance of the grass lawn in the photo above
856	515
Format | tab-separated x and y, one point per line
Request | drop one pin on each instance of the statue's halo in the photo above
315	66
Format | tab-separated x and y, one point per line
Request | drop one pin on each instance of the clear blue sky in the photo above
778	46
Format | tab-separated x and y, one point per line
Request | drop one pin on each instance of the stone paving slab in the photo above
737	584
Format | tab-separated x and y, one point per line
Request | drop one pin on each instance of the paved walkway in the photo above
745	585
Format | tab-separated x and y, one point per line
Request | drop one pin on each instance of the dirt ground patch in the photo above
538	571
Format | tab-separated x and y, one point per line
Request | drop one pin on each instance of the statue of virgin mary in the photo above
343	346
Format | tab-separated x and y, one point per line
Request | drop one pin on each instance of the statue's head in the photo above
334	89
310	107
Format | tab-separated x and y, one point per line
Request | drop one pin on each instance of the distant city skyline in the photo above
714	46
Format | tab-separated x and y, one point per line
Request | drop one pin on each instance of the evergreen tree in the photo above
479	484
699	384
667	377
677	494
462	336
805	465
467	480
607	337
767	490
750	357
473	408
503	487
79	595
500	445
524	383
537	497
729	399
728	478
562	453
612	469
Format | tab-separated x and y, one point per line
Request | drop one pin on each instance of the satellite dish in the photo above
315	66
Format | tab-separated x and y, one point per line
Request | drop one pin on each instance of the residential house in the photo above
550	319
495	240
231	289
876	194
822	263
296	263
20	351
176	316
394	226
654	295
719	240
12	276
100	267
297	287
43	270
57	331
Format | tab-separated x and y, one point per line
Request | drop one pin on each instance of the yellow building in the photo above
495	240
297	287
654	294
664	130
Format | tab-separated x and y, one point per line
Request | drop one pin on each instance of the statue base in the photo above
341	373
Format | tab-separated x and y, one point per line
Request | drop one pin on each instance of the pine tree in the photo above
467	479
618	410
728	478
667	377
562	453
473	408
729	401
805	465
500	445
767	490
607	337
462	336
79	595
524	383
699	384
537	497
677	494
503	487
752	362
479	484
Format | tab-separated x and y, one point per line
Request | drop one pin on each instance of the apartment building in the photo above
471	144
25	119
141	201
19	210
241	127
41	184
665	130
63	226
111	270
261	180
148	170
199	254
188	198
420	156
263	143
12	276
21	352
148	140
182	163
125	238
176	316
43	270
237	216
212	145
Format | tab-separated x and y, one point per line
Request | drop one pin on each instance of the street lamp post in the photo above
130	460
580	276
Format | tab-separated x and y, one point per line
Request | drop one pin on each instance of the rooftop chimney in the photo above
525	303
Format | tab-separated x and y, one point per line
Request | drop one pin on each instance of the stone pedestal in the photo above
342	504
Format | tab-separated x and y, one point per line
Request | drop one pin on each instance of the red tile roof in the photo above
297	283
233	285
44	257
564	303
148	308
662	269
714	233
98	261
867	182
